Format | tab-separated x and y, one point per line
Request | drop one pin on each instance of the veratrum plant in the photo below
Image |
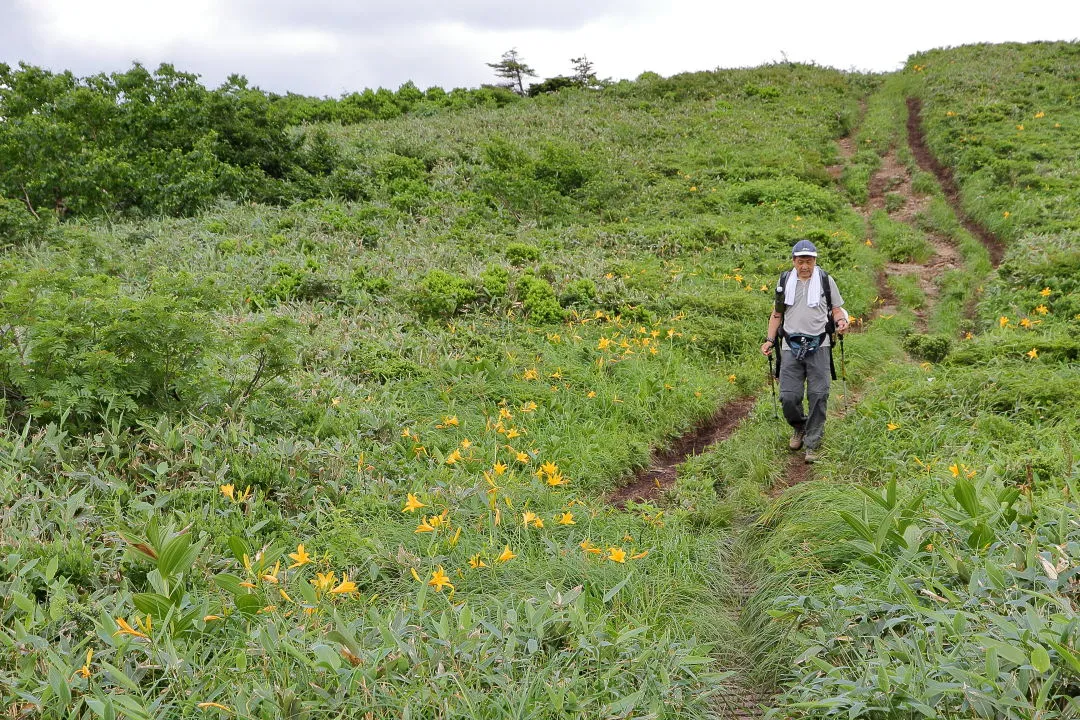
79	347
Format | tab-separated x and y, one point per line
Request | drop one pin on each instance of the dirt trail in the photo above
929	163
652	481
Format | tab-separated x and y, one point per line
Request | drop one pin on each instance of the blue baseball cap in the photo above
804	248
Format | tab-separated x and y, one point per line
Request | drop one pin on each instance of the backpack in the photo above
830	323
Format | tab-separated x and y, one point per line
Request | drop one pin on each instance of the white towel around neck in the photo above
813	293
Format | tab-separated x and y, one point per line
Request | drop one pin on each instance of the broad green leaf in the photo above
230	584
981	536
1072	662
857	525
175	558
623	706
120	677
239	548
1040	658
152	604
249	604
964	492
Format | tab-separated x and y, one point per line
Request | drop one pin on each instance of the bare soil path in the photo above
928	162
652	481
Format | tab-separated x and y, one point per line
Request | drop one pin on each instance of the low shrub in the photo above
932	348
495	280
441	294
521	253
578	292
538	298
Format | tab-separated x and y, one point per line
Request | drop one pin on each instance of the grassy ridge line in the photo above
924	623
396	369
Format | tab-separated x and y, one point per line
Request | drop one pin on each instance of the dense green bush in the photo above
521	253
578	292
538	298
495	280
790	194
441	294
82	348
932	348
18	225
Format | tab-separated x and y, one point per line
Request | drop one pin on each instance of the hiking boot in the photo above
811	455
796	440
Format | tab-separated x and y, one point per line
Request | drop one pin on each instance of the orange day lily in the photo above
412	503
300	557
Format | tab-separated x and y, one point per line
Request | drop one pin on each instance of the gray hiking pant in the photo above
813	372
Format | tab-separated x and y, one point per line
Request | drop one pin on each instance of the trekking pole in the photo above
772	386
843	367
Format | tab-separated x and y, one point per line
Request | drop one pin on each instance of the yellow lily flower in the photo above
556	479
323	581
345	586
412	503
439	580
300	557
126	629
507	555
85	669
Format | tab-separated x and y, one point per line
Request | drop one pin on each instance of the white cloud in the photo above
327	47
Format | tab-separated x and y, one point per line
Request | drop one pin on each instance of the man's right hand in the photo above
766	347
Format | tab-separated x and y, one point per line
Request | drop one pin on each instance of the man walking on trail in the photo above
808	308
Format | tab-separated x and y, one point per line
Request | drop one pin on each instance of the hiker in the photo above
808	308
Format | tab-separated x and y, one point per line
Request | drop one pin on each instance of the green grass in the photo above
566	282
572	280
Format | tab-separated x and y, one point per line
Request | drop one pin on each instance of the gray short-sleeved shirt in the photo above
799	319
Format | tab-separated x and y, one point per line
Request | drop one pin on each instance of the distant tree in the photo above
514	69
584	74
552	85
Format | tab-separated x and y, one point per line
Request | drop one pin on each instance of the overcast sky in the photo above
328	47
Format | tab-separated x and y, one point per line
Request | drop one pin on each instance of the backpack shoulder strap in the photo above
826	287
781	284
